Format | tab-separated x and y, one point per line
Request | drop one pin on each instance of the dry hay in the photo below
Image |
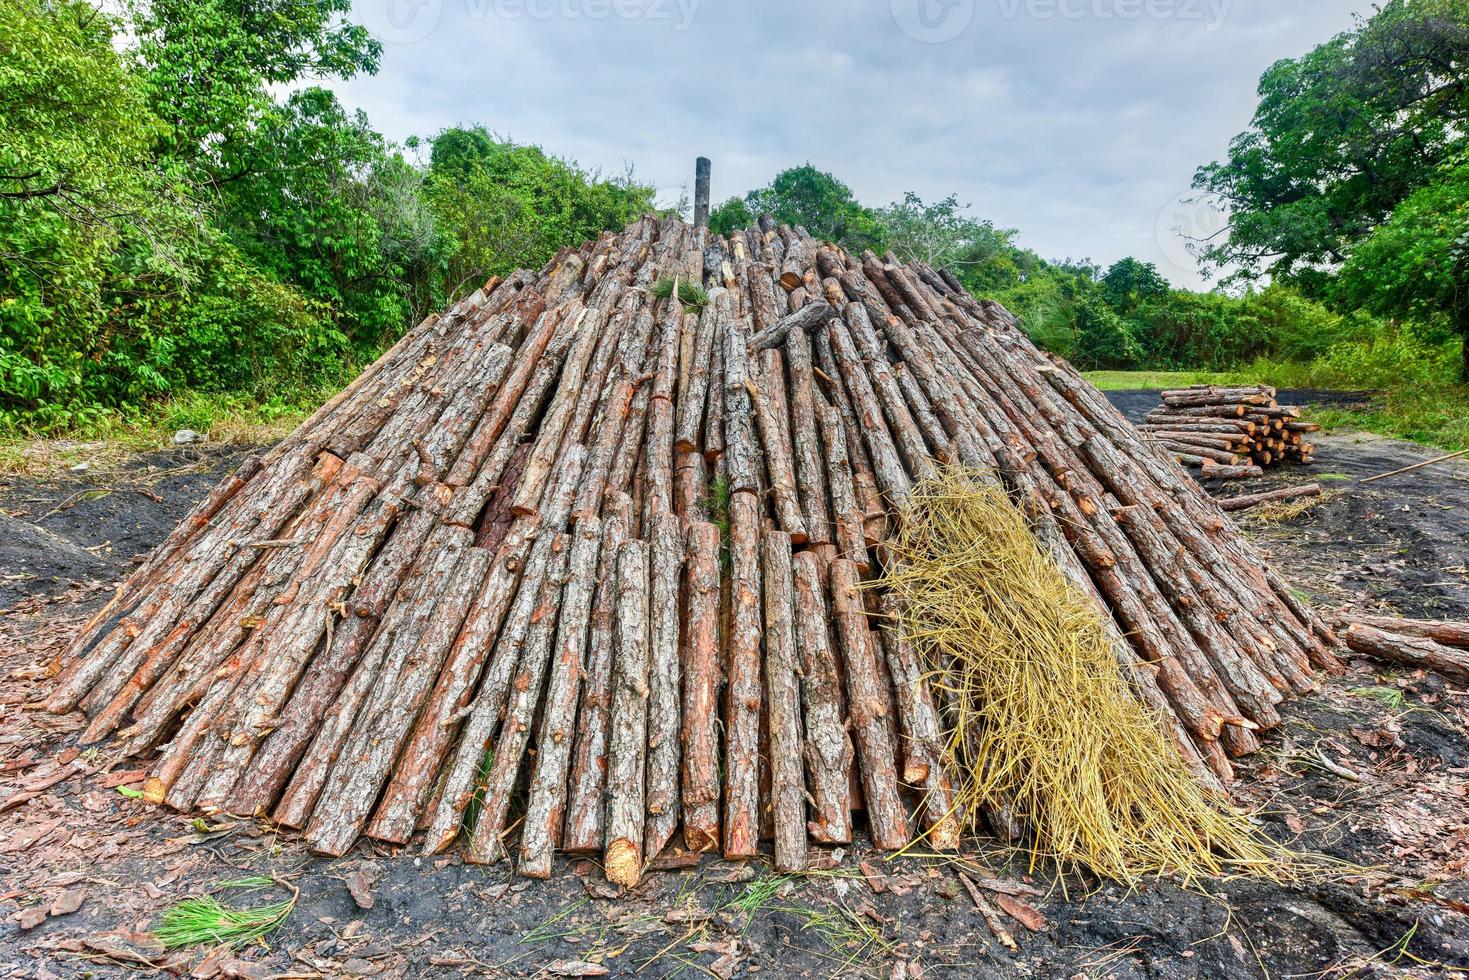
1040	721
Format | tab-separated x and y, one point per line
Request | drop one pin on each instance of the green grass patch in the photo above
111	437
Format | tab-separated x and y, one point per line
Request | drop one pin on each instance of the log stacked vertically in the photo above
1230	433
577	565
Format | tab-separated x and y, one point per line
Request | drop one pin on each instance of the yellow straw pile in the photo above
1042	723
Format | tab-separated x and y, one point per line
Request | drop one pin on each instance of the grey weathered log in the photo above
546	804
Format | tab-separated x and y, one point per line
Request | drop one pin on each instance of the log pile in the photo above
1230	433
576	568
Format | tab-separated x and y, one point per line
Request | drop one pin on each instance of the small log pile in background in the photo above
588	559
1230	433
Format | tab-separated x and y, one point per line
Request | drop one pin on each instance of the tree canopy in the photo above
1340	137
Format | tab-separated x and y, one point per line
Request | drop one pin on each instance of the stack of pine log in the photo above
1230	433
574	567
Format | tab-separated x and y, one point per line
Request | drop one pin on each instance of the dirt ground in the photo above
1373	771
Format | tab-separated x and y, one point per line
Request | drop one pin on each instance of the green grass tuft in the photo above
196	921
716	503
690	294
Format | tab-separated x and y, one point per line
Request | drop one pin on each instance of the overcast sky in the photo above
1078	122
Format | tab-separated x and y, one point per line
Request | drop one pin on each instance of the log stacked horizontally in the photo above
1230	433
1424	644
574	568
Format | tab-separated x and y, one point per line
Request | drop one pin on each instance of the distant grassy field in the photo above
1133	380
1433	415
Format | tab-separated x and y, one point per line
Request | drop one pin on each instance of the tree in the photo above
811	198
75	181
500	206
211	65
1341	137
318	213
732	215
1129	282
941	234
1416	263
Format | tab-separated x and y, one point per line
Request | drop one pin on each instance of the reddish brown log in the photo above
1408	651
886	818
1246	501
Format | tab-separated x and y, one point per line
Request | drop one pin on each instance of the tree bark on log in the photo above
628	734
828	750
701	691
584	807
887	820
546	805
768	393
1408	651
807	319
782	687
1246	501
742	717
664	685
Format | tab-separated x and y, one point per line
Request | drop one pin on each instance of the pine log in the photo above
1440	631
1209	471
694	392
807	319
701	691
922	741
1409	651
810	465
768	393
828	750
628	733
1246	501
486	844
782	686
741	452
546	804
584	804
886	818
742	716
664	685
